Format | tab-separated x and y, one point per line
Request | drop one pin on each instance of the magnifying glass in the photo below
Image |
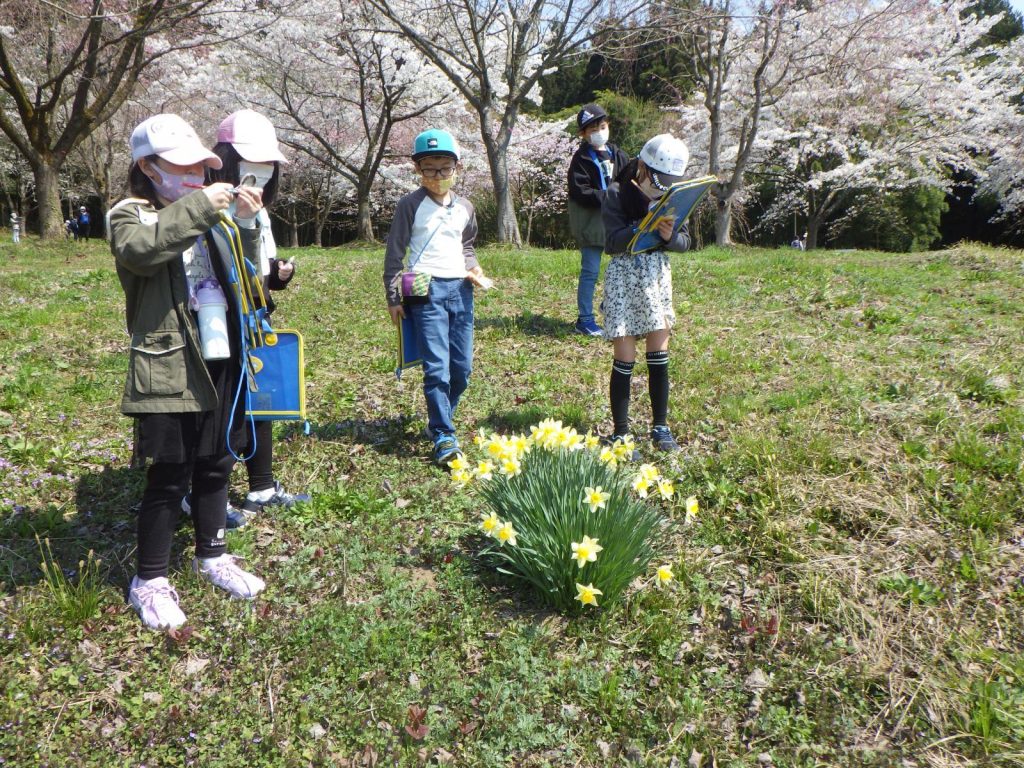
249	180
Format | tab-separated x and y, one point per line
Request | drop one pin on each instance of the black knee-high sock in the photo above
622	373
657	383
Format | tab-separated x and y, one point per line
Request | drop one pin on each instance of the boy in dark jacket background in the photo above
593	167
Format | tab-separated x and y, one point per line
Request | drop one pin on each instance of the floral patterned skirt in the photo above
637	295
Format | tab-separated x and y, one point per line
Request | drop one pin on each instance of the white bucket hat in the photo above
666	158
252	135
170	137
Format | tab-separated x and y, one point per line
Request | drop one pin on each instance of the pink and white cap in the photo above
170	137
252	135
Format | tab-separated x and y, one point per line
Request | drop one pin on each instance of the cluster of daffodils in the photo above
550	519
648	478
500	531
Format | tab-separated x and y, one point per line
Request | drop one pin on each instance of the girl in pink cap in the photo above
181	398
247	144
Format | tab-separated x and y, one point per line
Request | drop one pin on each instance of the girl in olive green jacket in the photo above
182	403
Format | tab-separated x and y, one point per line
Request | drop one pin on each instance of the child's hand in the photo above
219	195
249	202
397	312
285	270
666	227
476	277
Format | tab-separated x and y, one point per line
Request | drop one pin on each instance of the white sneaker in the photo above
222	572
156	602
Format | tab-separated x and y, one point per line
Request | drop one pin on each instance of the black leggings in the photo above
260	467
166	485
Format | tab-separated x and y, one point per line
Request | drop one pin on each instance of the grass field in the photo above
850	594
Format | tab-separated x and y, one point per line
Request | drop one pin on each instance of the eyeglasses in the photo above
433	173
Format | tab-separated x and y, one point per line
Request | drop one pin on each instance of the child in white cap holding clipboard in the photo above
638	288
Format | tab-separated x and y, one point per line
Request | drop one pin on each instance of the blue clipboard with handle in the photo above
677	203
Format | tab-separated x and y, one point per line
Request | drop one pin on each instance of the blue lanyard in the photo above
600	170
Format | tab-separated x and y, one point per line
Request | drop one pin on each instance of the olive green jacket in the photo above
166	371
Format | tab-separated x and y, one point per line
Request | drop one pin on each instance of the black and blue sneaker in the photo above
587	328
235	518
279	498
446	448
662	438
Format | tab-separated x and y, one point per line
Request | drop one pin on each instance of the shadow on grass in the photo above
525	416
103	521
528	324
398	435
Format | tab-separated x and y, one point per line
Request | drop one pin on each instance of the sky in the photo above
1018	5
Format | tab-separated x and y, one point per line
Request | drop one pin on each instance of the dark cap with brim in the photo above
591	113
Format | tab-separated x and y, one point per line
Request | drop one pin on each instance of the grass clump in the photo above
75	599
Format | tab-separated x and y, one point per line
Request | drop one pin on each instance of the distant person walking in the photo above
15	228
84	223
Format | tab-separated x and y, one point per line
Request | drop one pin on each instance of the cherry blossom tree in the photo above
539	155
914	97
341	88
494	53
743	61
67	67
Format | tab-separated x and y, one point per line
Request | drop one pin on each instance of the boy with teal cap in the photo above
436	229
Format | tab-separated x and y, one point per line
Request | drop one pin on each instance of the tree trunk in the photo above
364	221
505	212
50	221
318	228
723	220
293	228
813	227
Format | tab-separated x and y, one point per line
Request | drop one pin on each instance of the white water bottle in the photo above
212	309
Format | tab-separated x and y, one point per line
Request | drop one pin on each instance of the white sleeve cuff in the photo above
249	223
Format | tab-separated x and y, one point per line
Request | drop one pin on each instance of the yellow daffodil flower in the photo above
649	471
506	534
666	488
459	462
623	449
595	498
511	467
462	477
641	485
490	524
585	551
587	594
485	470
480	437
608	456
691	509
591	441
665	575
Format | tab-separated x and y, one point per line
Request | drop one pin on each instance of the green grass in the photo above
850	594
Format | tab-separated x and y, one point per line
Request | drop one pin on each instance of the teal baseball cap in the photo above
435	142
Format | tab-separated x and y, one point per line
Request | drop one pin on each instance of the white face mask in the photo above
598	139
263	172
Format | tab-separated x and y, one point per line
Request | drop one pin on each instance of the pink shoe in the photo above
156	602
224	573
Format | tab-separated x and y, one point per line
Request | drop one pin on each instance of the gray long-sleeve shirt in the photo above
438	239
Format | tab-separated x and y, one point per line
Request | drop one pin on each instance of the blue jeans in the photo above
590	266
444	333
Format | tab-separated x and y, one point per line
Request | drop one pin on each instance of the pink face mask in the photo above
173	187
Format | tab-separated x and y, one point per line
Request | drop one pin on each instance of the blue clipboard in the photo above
408	349
678	203
277	387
